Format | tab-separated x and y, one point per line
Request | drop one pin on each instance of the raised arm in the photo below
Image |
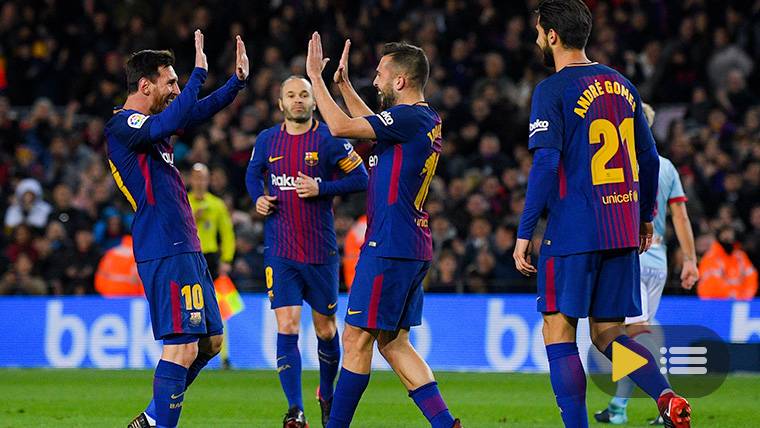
356	106
340	124
222	97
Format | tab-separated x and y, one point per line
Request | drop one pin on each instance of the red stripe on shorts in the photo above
374	301
176	312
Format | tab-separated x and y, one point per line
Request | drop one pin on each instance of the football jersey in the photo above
301	229
669	190
144	171
402	165
593	115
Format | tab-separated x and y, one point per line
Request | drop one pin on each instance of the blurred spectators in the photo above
694	61
725	271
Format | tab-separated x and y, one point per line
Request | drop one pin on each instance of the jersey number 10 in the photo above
599	128
193	296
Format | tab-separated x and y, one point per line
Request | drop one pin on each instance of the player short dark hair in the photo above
146	63
411	59
571	19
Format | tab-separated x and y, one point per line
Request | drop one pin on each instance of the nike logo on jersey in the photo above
177	243
350	312
332	305
174	397
275	159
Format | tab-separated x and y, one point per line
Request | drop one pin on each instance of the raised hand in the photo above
341	74
200	57
315	62
241	60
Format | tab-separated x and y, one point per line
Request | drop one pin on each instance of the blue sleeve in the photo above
354	177
649	170
139	131
395	125
546	128
216	101
542	180
254	175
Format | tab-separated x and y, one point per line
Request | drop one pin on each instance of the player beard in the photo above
387	99
161	104
548	56
302	117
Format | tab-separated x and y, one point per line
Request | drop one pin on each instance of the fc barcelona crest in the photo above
311	158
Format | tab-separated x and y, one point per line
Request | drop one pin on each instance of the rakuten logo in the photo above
287	182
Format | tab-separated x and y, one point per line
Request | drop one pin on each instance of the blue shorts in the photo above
386	293
181	296
601	284
289	283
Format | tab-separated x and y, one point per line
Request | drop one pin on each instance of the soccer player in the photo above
595	170
305	166
386	296
654	273
183	308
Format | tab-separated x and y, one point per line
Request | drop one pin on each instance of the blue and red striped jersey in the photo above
302	229
402	165
593	115
144	171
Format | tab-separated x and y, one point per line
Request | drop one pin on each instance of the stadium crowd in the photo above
61	74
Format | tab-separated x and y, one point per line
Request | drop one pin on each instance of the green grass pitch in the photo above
99	398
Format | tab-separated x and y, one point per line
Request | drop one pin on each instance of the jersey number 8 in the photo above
599	128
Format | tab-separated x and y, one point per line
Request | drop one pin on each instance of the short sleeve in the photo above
395	125
343	156
676	189
546	128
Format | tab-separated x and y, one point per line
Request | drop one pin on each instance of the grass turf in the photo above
100	398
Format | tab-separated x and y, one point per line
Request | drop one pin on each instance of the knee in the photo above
355	341
326	329
288	326
183	354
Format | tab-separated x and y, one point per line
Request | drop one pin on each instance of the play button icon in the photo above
624	361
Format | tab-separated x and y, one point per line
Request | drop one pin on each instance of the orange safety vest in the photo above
724	276
117	272
351	249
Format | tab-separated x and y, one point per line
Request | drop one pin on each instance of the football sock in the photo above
569	383
329	358
648	377
348	392
289	368
168	393
200	362
428	399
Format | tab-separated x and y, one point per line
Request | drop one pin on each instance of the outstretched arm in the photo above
340	124
356	106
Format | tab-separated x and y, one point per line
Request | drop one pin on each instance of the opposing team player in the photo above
654	273
180	291
304	166
386	295
595	170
